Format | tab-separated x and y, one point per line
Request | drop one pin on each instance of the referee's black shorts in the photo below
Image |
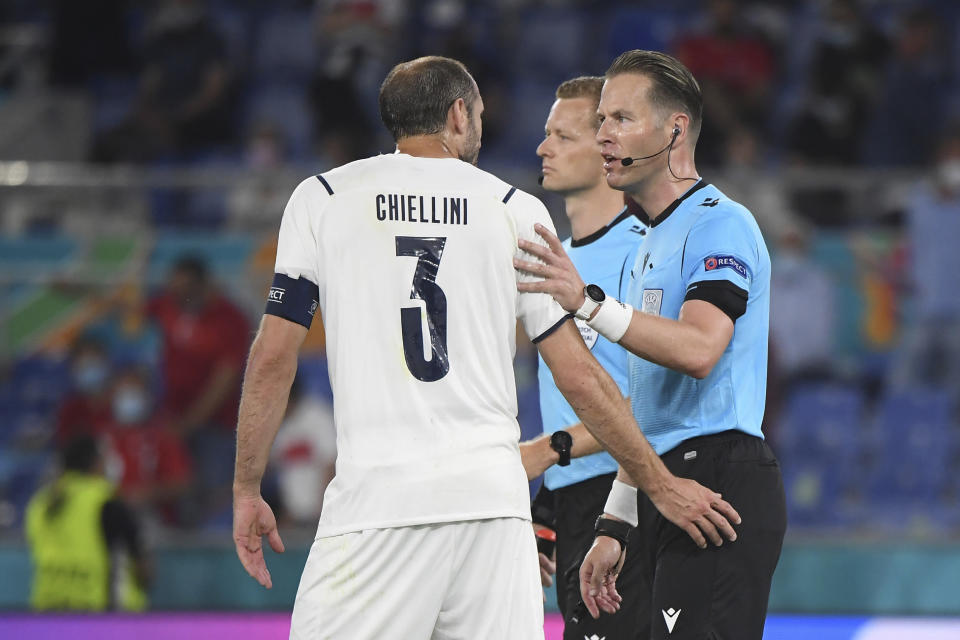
577	507
717	593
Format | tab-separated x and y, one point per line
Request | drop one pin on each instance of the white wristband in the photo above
622	502
612	319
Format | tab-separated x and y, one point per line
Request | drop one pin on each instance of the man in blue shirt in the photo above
696	326
603	247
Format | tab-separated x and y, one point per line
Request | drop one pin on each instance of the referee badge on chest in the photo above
652	298
588	333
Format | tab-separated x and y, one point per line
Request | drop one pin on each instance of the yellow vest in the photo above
68	548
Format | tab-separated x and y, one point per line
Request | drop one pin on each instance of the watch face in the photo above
561	439
596	293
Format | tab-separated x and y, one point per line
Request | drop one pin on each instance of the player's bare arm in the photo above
271	368
691	344
538	456
596	399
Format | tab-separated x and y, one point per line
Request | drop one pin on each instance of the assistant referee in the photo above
696	326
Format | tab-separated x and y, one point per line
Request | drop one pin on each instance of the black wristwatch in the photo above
593	297
616	529
562	443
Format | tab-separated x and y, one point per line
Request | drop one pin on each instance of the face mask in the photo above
948	174
130	406
90	375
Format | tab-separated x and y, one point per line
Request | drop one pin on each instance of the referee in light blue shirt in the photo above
696	325
603	247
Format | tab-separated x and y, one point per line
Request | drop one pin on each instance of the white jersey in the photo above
413	258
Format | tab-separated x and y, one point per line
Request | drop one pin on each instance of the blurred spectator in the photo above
185	100
843	78
916	81
85	543
802	311
205	342
735	68
123	328
304	456
258	203
156	468
930	352
744	180
86	407
356	40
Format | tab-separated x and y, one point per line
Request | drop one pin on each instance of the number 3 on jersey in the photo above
428	252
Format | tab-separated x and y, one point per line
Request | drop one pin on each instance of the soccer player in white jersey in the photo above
425	529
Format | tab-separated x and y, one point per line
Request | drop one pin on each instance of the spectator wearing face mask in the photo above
85	408
154	466
931	349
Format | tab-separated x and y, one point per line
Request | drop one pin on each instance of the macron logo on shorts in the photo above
670	617
276	294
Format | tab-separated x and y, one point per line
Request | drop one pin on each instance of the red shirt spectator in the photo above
156	463
80	415
205	342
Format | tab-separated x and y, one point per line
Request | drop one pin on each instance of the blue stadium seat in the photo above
820	452
312	375
642	28
538	55
287	108
285	46
113	96
233	25
912	444
39	382
21	474
822	420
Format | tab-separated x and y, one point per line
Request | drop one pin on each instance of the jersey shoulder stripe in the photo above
326	185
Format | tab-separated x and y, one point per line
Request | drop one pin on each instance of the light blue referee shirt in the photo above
704	246
603	258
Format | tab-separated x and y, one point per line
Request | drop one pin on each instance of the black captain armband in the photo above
722	294
295	300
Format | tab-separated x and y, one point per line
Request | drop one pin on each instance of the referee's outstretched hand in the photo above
702	513
253	518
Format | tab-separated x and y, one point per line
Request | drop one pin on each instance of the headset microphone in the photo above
626	162
540	180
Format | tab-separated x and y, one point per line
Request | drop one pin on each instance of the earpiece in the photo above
676	130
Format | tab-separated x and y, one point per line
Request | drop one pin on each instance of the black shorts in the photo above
717	593
577	507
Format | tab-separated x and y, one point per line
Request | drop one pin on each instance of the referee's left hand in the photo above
560	278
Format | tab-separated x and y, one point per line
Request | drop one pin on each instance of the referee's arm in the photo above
596	399
692	344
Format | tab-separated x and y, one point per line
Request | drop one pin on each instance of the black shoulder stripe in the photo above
556	326
509	194
326	185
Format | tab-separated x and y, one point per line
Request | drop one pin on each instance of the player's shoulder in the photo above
347	176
